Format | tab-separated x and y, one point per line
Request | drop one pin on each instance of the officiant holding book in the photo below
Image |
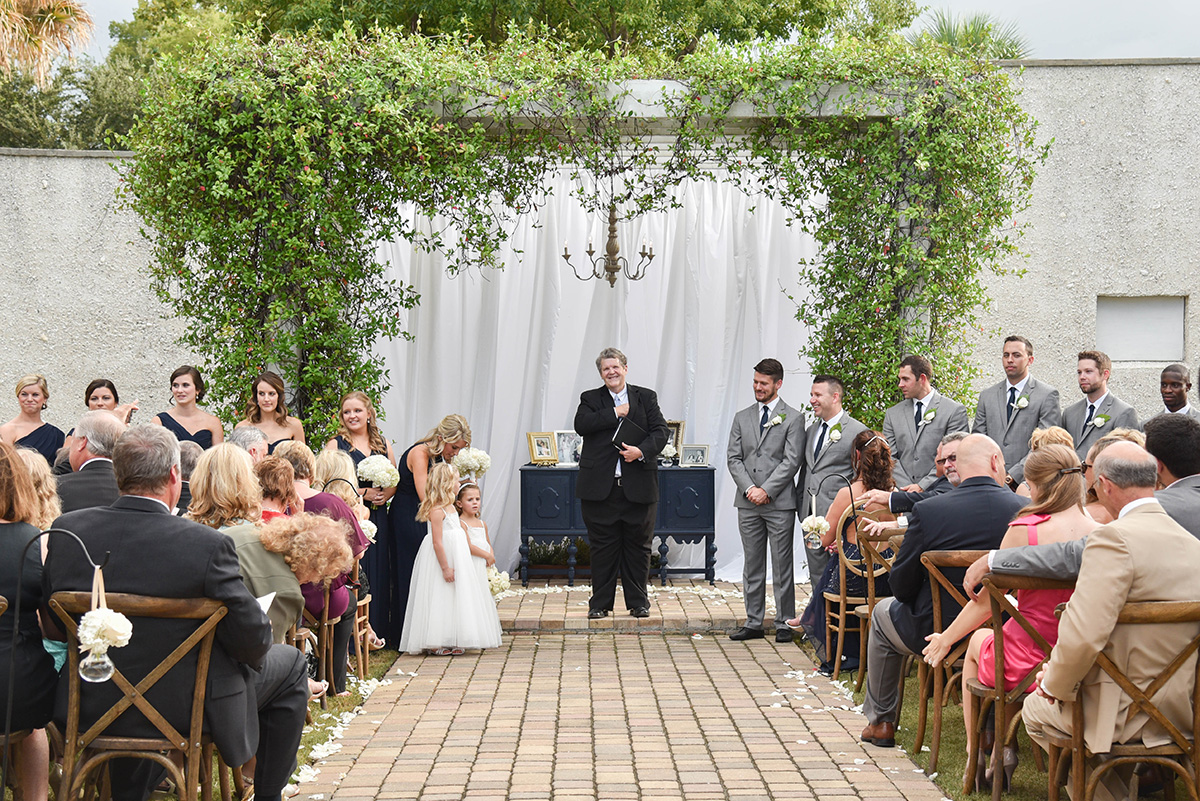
623	432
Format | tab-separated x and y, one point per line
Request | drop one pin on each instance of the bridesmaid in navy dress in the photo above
188	422
267	411
439	445
359	435
27	430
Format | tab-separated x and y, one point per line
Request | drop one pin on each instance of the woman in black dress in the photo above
439	445
27	430
33	703
187	421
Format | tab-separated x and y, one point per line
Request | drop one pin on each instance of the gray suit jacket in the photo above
914	447
1120	414
1012	433
1181	501
766	457
834	460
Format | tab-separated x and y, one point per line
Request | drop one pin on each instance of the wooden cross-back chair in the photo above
322	627
362	631
937	683
1180	756
90	750
873	548
840	606
981	697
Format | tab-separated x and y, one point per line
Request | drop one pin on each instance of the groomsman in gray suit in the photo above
1009	411
827	451
764	454
1174	441
914	426
1099	411
1174	384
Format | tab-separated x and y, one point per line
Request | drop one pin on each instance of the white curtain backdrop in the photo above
512	349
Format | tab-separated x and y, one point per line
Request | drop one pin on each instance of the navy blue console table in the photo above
550	511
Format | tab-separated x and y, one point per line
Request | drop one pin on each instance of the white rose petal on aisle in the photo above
378	471
497	581
471	462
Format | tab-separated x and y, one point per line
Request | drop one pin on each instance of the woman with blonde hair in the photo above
449	437
224	490
1055	514
45	488
33	705
27	430
333	472
1092	502
1041	437
267	411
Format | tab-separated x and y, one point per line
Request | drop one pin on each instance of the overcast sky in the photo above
1054	28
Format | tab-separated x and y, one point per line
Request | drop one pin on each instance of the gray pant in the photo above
885	657
758	528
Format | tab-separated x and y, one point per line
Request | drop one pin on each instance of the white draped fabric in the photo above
512	349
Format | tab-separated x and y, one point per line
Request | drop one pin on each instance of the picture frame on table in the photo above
570	447
694	456
542	447
676	438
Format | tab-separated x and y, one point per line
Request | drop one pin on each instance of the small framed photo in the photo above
542	449
676	438
694	456
570	446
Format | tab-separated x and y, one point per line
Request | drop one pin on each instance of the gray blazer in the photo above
914	447
1181	501
1120	414
766	457
1012	433
834	460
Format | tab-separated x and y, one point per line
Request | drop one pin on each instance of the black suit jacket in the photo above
904	501
155	553
596	422
94	485
973	517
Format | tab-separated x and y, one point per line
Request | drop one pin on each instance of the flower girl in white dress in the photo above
469	502
450	607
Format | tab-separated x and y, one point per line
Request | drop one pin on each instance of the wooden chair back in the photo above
90	749
362	618
842	619
323	627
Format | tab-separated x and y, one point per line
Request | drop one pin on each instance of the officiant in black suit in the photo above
618	489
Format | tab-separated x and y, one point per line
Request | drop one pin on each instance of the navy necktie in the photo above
1012	401
917	416
820	441
1088	421
766	411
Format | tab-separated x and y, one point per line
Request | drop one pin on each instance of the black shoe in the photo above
746	633
596	614
783	635
640	611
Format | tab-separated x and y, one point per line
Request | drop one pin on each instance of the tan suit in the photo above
1144	556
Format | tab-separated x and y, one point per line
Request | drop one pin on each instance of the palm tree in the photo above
34	32
978	34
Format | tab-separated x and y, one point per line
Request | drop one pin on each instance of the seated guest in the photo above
33	704
45	487
1055	514
901	501
224	490
189	454
257	693
974	516
1174	441
187	421
252	440
1091	502
27	430
267	411
1143	555
334	473
1041	437
277	480
340	598
91	482
871	458
100	395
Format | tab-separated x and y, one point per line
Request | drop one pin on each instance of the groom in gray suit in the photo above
914	426
828	448
1099	411
763	457
1009	412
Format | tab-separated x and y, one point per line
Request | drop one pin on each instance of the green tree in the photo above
33	116
166	27
105	100
976	34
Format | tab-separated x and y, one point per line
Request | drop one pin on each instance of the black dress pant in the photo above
619	533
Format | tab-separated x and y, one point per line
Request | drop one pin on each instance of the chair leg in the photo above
837	660
864	634
923	678
905	670
1052	771
972	749
935	740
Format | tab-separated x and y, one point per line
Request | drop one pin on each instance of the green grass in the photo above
326	719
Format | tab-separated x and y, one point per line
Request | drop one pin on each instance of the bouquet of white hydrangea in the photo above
814	527
471	462
497	581
378	471
369	529
101	629
668	452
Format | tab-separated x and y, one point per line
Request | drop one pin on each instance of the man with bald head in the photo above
1143	555
974	516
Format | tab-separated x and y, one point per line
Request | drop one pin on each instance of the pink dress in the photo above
1021	653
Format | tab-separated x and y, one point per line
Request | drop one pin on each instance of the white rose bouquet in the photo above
814	527
378	471
471	462
369	529
668	453
101	629
497	581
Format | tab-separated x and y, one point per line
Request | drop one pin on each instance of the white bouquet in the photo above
378	471
668	452
101	629
497	581
471	462
369	529
814	527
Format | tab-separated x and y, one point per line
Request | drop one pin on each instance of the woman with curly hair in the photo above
872	461
224	490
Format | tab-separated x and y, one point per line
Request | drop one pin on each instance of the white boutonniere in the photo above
927	418
1099	420
1022	402
776	420
835	433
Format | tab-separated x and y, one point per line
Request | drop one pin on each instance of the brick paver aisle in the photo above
658	716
